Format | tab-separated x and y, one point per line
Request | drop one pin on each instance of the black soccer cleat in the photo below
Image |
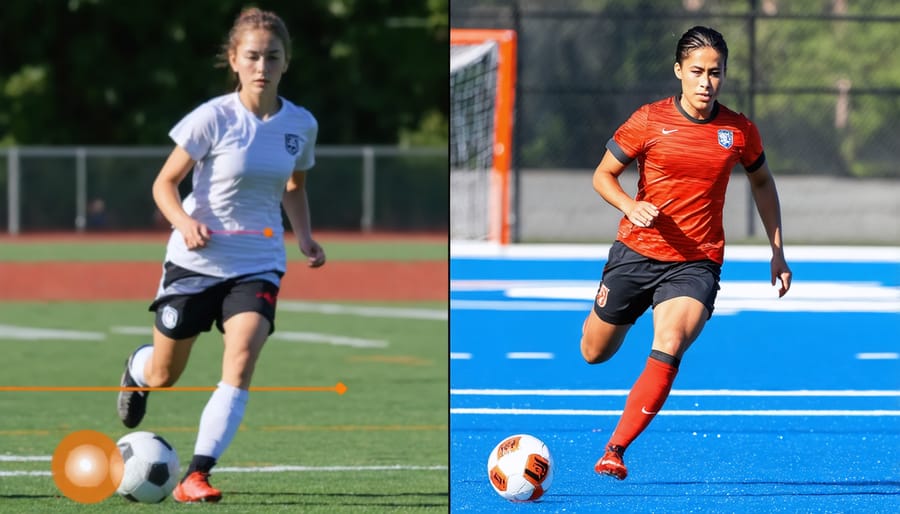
132	405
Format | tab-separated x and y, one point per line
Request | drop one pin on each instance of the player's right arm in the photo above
606	183
168	199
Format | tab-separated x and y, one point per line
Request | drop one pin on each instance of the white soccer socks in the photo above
138	363
220	420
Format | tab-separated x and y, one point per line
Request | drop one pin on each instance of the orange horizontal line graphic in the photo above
338	388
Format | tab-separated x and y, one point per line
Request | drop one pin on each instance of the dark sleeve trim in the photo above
617	152
757	164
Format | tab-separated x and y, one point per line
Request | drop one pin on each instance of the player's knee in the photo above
671	343
595	357
594	353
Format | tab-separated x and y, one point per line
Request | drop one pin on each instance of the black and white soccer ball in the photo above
151	467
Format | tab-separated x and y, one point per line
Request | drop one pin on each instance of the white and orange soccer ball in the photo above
520	468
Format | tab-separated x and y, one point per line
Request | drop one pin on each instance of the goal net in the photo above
482	64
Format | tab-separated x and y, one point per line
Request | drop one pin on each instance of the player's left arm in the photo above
296	206
765	194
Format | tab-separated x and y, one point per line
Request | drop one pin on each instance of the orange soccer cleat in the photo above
611	463
195	488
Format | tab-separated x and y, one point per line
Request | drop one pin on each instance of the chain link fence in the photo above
821	79
822	84
109	188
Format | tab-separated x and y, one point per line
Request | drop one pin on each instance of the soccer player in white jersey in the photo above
250	151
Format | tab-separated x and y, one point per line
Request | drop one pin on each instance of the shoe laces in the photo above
198	476
618	450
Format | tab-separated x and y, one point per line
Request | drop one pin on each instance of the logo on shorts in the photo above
292	143
268	297
169	317
726	138
602	294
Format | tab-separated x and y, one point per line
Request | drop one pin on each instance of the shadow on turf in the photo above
893	486
27	496
361	495
303	498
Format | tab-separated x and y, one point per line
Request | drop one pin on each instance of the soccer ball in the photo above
151	467
520	468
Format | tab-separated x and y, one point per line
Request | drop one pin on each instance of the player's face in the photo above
259	60
701	75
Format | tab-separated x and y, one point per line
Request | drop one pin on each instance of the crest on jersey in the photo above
726	138
292	143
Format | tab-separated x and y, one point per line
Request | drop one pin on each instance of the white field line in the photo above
313	337
284	335
143	330
34	334
753	253
264	469
364	311
757	412
878	356
679	392
800	393
734	296
519	305
283	469
529	355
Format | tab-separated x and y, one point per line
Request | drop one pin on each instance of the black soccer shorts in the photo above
181	316
631	283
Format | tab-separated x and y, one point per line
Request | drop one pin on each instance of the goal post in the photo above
482	97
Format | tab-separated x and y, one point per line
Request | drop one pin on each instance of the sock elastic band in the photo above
671	360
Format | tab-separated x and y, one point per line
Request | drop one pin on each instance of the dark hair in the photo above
700	37
251	19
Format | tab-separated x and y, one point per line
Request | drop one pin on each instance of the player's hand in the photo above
315	254
195	234
781	272
642	214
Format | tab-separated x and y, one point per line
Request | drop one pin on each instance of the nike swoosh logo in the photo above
671	131
645	411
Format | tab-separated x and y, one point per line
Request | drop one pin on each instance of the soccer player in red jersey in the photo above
670	244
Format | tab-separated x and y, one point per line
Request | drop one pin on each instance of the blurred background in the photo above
821	79
90	88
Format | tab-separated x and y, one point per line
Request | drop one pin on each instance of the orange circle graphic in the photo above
87	466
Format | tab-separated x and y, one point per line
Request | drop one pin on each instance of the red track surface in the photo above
341	280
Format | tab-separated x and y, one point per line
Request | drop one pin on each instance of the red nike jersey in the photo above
684	165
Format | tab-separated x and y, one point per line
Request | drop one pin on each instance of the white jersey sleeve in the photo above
196	132
307	158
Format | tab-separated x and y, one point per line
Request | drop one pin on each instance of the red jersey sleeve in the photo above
628	141
753	156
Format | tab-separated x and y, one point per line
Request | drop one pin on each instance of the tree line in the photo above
108	72
821	79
